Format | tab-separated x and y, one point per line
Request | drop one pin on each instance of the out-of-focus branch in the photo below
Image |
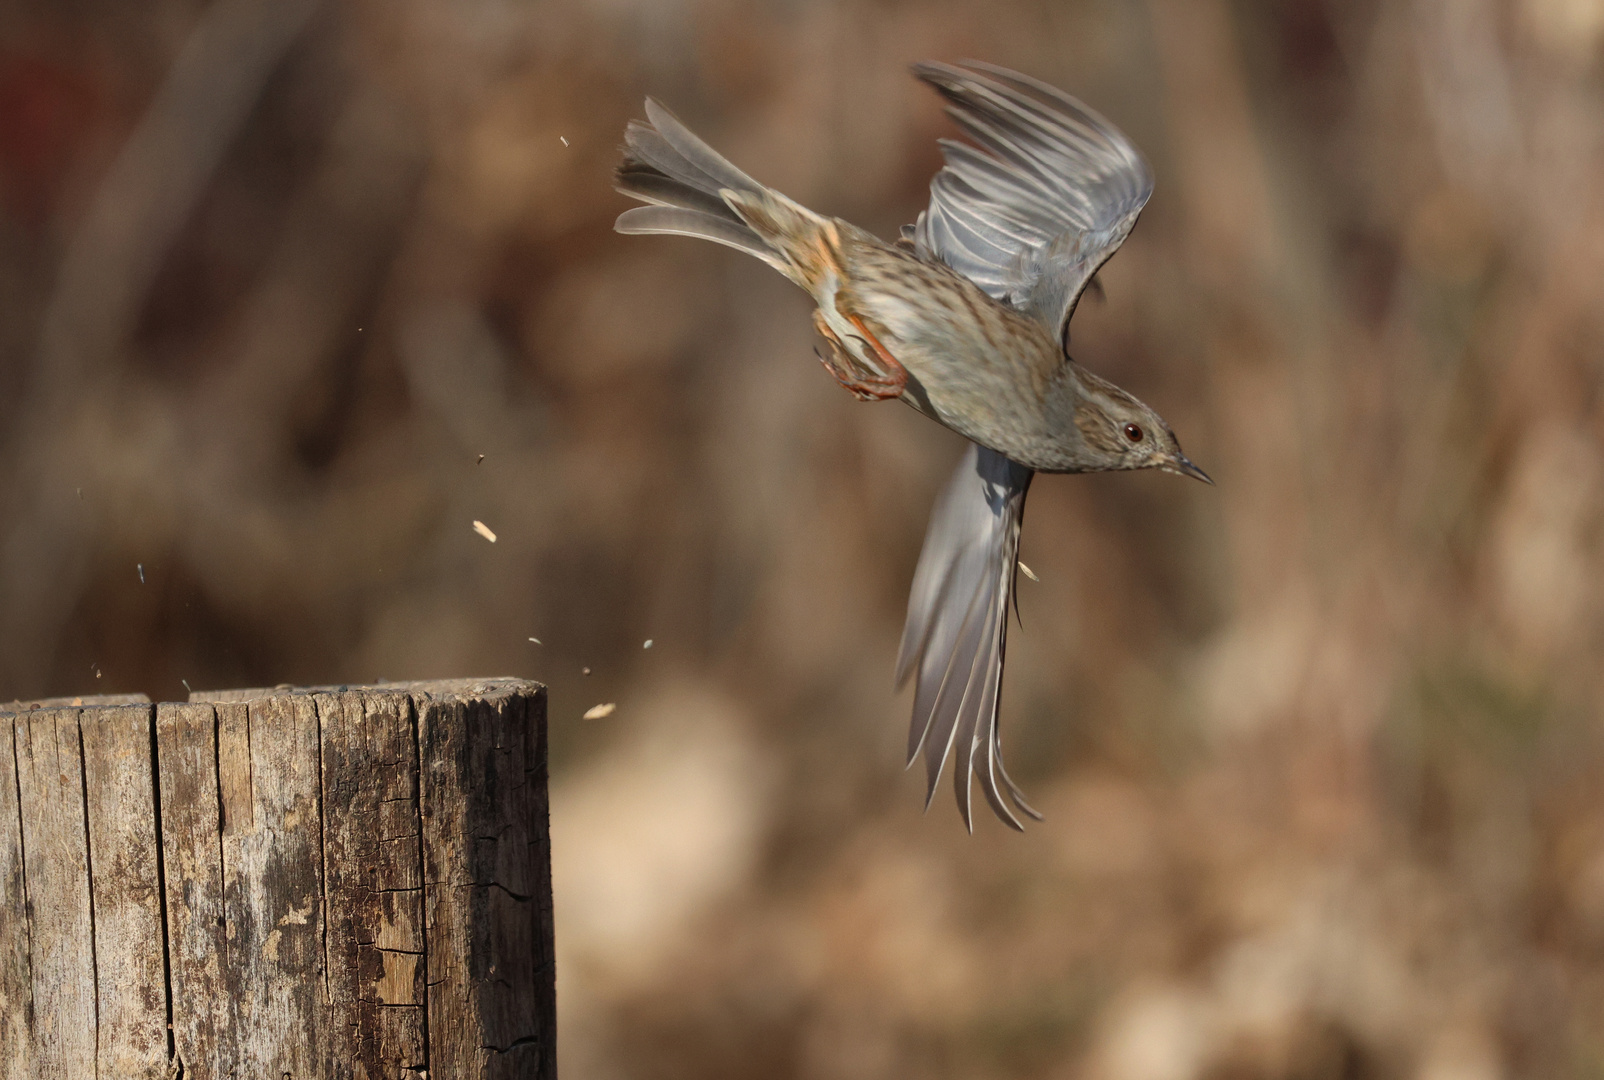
104	279
333	250
152	186
1223	185
1468	94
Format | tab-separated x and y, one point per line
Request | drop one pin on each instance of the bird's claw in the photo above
862	387
844	368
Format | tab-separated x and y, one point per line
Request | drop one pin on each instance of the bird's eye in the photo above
1133	433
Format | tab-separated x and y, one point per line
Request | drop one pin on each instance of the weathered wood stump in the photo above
335	882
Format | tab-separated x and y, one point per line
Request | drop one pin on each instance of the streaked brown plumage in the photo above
966	319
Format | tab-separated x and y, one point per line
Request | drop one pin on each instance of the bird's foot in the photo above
863	387
844	368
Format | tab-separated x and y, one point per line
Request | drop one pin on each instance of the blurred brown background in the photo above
1319	748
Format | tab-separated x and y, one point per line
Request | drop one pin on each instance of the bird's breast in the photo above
983	369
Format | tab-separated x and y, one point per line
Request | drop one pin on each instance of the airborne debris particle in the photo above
564	139
1027	572
484	530
141	568
584	671
189	691
597	712
648	644
535	640
481	460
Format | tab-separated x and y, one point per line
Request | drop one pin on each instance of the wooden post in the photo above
341	882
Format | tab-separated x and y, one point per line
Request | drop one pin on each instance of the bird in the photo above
965	318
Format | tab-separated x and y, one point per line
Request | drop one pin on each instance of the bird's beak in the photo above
1182	465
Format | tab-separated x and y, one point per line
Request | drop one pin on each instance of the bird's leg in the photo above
896	375
843	367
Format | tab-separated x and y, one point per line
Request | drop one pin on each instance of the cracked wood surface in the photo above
488	865
55	852
327	882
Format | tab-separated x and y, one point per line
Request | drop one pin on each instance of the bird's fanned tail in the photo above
957	630
692	190
681	177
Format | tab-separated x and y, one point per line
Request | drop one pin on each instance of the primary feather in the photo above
958	626
1051	191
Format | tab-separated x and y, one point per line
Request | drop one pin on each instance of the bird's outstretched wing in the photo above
957	626
1049	193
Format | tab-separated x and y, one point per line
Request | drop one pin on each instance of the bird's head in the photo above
1120	432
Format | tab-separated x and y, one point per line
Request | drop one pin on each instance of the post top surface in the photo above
439	688
492	687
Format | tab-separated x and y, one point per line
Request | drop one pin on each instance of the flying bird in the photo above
965	317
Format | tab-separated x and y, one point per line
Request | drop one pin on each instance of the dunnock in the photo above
965	318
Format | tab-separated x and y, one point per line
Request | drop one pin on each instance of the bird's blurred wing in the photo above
958	624
1051	191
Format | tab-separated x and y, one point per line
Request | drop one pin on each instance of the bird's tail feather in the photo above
694	191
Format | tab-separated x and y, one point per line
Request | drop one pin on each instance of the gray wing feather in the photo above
1051	191
943	689
957	628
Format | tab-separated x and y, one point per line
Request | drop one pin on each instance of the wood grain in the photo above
487	925
16	978
374	886
273	885
338	882
60	926
205	1020
119	811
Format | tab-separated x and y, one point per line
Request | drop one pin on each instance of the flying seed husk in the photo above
598	712
484	530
